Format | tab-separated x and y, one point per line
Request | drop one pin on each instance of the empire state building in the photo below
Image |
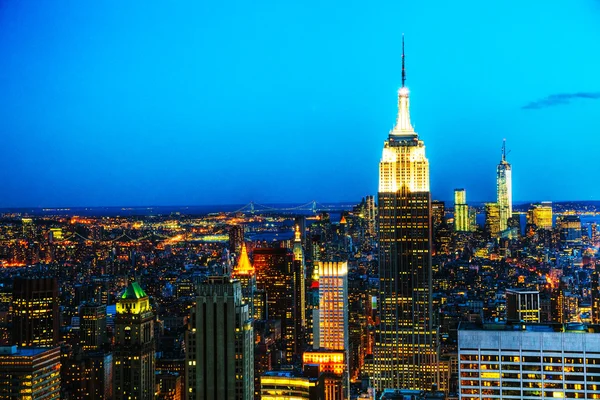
405	340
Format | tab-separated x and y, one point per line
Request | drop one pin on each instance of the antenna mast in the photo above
403	69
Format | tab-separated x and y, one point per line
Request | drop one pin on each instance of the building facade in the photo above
529	361
35	317
461	211
220	344
492	220
405	352
92	326
523	305
134	346
29	373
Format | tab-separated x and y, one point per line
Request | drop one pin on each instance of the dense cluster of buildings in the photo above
397	297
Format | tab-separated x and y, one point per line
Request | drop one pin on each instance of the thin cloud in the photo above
560	99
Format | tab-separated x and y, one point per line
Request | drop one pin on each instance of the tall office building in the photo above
35	315
438	213
333	334
244	272
492	220
29	373
405	351
371	214
333	306
569	227
92	326
134	346
299	309
220	339
540	215
275	275
236	238
461	211
504	189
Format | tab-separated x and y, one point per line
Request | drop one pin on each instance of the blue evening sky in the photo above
207	102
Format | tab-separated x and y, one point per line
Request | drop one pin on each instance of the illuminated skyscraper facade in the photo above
492	220
461	211
35	317
333	305
134	346
540	215
504	189
405	351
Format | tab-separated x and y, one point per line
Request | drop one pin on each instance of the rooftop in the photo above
572	327
134	291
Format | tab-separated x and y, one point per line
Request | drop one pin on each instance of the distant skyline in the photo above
193	103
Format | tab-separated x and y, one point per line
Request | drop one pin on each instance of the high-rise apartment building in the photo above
522	361
92	326
220	340
29	373
405	352
35	317
504	189
134	346
461	211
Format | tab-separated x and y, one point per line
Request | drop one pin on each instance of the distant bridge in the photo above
312	206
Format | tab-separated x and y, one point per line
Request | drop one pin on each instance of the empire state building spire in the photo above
403	125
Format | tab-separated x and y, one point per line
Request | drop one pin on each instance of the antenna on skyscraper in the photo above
503	149
403	69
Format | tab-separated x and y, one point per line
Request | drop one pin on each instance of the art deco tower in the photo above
405	350
504	186
134	346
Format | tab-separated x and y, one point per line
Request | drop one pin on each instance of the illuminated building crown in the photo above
243	266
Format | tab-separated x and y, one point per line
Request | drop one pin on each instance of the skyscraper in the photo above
540	215
492	220
134	346
461	211
333	306
405	351
299	309
244	272
92	326
35	312
333	325
274	274
220	354
504	188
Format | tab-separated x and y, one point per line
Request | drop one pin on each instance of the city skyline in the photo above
95	114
